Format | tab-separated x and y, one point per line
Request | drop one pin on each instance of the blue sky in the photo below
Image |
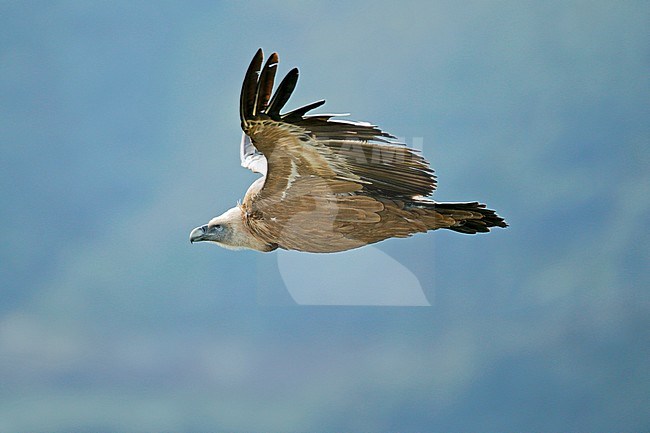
119	133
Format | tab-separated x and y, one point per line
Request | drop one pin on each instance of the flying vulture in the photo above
327	184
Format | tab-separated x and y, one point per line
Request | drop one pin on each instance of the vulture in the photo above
327	184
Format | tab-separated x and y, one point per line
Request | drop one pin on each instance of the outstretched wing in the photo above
319	170
374	158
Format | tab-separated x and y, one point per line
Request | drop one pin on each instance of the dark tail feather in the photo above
471	218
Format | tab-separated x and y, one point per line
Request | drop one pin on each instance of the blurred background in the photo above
119	133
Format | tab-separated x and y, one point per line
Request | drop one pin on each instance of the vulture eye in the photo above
218	227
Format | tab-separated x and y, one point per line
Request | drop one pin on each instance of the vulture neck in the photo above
241	237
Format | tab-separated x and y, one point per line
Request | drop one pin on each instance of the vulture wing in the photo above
376	159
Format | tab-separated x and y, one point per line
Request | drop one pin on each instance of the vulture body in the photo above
327	184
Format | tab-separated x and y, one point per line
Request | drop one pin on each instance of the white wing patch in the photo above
250	157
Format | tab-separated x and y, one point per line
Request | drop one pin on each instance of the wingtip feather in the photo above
249	87
283	93
265	84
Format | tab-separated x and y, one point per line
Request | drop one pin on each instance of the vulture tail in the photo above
469	218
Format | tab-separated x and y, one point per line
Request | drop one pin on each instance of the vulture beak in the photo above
199	234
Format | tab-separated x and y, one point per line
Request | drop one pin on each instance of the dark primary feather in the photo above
282	94
265	84
296	115
249	88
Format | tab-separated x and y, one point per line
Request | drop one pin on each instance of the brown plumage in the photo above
328	185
